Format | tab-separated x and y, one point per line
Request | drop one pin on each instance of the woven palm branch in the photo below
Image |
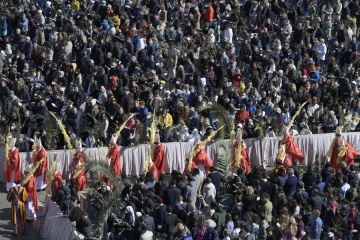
197	148
106	205
238	154
152	135
260	130
63	131
342	122
222	116
33	156
295	116
147	161
6	149
52	171
223	159
232	144
79	170
31	172
117	134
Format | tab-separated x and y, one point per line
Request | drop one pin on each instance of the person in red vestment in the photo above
201	160
78	160
113	160
12	173
244	157
340	150
288	148
41	171
57	180
158	165
32	205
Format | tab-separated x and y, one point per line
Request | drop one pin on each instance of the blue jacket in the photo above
316	227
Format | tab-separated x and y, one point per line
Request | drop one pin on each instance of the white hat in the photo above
28	167
40	11
61	73
112	140
78	143
239	125
157	138
12	142
38	142
228	7
285	130
338	130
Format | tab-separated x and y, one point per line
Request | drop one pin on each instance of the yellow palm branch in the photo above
63	131
31	172
117	134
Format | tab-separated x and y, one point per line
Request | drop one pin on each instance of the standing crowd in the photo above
93	63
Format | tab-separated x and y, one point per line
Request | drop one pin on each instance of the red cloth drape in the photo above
31	191
14	167
42	169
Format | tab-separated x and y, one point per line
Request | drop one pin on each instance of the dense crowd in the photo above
95	62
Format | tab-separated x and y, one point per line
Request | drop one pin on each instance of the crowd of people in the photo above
93	63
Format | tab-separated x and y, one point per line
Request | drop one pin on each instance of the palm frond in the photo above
63	131
31	172
223	159
342	122
52	171
295	116
260	130
222	116
117	134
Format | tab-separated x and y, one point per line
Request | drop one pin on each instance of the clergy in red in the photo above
32	204
78	160
159	159
12	172
201	158
340	150
41	171
244	161
57	180
291	149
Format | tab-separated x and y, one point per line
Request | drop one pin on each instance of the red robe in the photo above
245	160
114	155
30	187
159	158
81	178
202	158
348	158
42	169
291	148
57	181
14	168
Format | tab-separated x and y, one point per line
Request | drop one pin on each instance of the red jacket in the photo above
241	117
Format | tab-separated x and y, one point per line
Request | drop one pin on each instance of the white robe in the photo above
40	185
30	209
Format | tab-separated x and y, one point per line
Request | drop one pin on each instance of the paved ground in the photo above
5	216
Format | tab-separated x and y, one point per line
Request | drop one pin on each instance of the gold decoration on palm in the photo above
117	134
197	148
31	172
238	153
66	136
79	170
52	170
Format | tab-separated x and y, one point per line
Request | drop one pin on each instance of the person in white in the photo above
228	34
209	191
337	10
305	130
311	108
146	234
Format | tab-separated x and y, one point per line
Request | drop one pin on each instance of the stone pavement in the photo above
5	219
